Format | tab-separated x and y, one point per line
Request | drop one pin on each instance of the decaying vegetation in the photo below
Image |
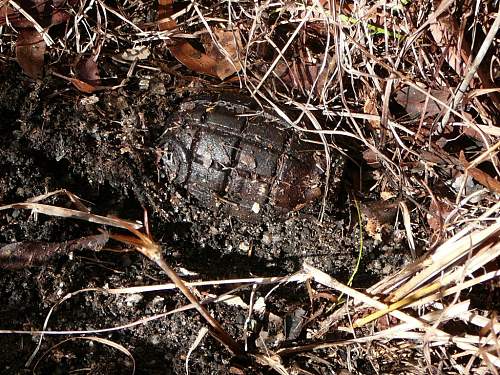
406	90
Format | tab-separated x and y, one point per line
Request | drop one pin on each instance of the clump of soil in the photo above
101	147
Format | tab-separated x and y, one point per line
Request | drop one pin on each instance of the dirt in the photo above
102	147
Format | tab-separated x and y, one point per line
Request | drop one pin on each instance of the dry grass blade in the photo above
448	250
72	197
407	224
406	91
223	298
401	298
432	333
201	335
107	342
81	213
297	278
71	214
456	289
471	71
146	246
455	251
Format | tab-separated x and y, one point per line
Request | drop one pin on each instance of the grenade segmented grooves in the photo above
226	152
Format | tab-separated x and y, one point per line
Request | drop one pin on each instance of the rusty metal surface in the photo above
224	152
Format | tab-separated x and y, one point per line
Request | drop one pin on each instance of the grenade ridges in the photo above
226	152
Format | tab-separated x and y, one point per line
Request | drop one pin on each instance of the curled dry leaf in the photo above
30	50
85	87
30	16
221	59
82	86
193	59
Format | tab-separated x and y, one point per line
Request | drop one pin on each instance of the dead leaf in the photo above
226	53
59	16
414	101
378	217
194	59
439	210
371	158
13	17
45	13
221	59
482	177
165	10
87	88
445	32
30	50
213	63
370	107
83	86
182	50
88	71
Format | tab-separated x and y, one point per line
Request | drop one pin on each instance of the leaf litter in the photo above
419	127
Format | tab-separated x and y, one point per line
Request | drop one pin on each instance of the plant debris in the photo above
384	257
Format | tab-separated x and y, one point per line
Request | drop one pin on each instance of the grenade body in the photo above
227	152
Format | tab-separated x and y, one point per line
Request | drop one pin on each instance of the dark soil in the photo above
101	147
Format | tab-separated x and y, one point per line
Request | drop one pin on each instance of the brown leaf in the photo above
87	71
83	86
44	12
214	62
165	10
371	158
482	177
370	107
230	41
194	59
13	17
30	50
445	31
439	209
378	217
414	101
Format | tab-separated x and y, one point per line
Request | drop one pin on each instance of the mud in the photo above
103	148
